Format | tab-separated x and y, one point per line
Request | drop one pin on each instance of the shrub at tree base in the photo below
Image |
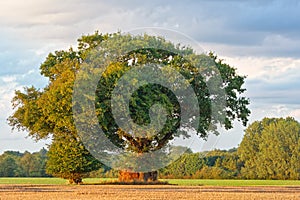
126	176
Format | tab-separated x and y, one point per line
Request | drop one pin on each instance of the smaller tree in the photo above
68	159
271	149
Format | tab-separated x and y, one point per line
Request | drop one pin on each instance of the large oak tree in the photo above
48	112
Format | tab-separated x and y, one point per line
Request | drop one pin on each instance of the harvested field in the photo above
105	192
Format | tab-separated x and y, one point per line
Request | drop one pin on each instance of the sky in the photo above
261	39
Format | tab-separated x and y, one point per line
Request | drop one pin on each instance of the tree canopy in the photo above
270	149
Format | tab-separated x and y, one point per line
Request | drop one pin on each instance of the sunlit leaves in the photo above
271	149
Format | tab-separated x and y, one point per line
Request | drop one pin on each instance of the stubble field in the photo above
139	192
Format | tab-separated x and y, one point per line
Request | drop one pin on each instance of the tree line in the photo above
270	149
17	164
212	164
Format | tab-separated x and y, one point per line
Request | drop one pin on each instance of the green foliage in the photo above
146	96
271	149
68	159
28	117
232	83
8	166
48	112
185	166
209	173
104	172
214	164
30	164
16	164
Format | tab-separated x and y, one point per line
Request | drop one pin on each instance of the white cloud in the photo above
7	87
8	79
276	69
15	140
295	113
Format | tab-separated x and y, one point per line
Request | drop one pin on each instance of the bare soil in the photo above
140	192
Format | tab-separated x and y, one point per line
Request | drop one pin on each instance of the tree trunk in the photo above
75	178
127	176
